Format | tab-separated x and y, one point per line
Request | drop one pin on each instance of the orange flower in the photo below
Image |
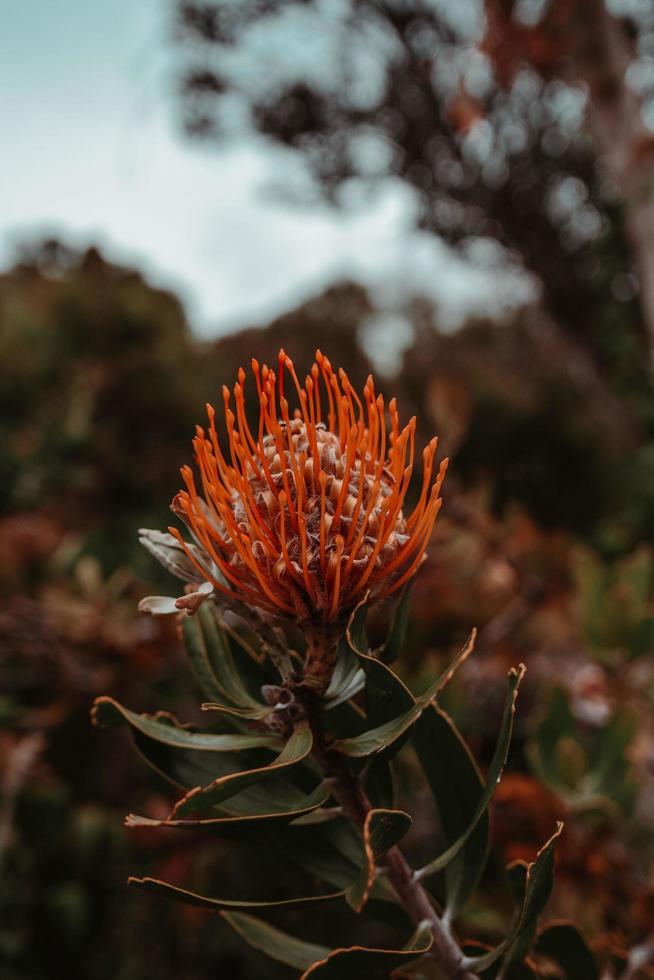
305	515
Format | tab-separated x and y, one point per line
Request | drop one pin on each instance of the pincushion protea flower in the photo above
303	516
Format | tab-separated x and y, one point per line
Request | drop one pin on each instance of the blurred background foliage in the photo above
519	133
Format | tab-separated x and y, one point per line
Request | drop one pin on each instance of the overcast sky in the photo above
91	151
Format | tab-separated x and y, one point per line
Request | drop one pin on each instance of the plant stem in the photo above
322	651
347	788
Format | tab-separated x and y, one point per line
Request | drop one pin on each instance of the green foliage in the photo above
588	768
336	964
617	605
204	902
533	885
466	865
99	394
564	944
457	787
277	788
382	829
99	362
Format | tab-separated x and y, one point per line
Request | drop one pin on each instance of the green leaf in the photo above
558	723
191	766
160	744
208	644
457	788
379	783
253	713
330	852
538	888
608	763
356	628
386	696
357	962
537	882
273	942
202	901
201	665
397	632
458	661
297	749
347	679
107	713
517	872
564	943
492	778
353	963
232	826
381	830
381	737
345	719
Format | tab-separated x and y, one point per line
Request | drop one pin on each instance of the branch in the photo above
414	899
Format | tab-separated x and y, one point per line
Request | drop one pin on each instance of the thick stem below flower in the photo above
319	663
347	789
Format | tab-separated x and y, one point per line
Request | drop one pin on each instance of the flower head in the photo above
303	515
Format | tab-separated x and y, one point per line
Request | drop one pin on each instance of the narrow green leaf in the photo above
193	764
492	778
204	632
347	679
564	943
320	815
330	852
201	665
297	749
397	632
538	882
458	661
381	830
252	713
517	872
386	695
345	720
379	783
234	826
381	737
356	628
457	789
273	942
189	766
107	713
356	962
203	901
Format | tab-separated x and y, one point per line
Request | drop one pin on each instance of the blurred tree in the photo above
98	395
518	122
105	388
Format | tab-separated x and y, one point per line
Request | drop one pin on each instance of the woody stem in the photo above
349	792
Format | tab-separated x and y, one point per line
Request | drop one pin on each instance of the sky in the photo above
91	151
